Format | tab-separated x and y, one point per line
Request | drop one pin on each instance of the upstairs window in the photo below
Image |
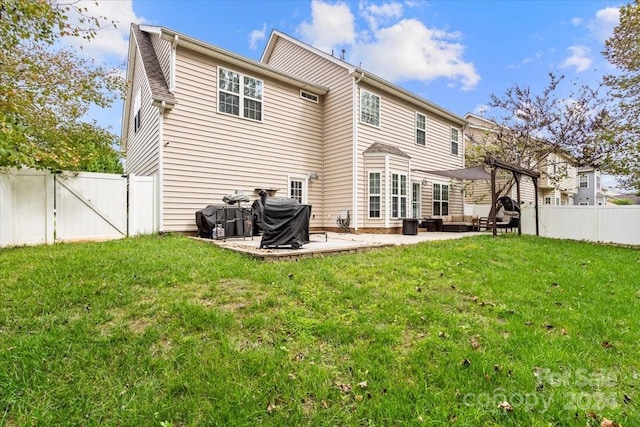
239	95
137	115
369	108
584	181
455	141
421	129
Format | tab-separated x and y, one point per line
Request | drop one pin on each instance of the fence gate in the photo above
90	205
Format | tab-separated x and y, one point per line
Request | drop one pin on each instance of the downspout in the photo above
161	167
354	174
172	71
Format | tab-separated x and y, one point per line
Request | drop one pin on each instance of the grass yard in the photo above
168	331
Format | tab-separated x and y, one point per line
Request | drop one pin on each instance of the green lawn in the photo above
161	331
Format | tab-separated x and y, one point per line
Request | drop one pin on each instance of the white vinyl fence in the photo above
608	224
42	207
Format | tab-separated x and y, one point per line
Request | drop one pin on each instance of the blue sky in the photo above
455	53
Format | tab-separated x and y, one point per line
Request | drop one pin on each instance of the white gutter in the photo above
387	189
354	175
160	167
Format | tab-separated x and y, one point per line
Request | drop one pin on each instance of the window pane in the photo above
252	109
436	208
403	207
445	208
436	191
296	190
374	206
454	147
370	108
420	137
253	88
229	104
394	184
374	183
420	121
403	185
229	81
445	192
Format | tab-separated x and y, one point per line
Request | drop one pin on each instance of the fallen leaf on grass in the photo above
505	406
608	423
474	343
345	388
606	344
271	407
362	384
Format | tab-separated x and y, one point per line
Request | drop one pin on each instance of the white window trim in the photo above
440	200
586	177
241	96
137	115
379	125
305	187
419	210
424	130
399	195
369	194
458	141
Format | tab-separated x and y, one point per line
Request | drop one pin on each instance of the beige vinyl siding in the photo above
337	122
209	155
142	146
163	52
397	128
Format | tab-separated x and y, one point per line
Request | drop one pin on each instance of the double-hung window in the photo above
455	141
421	129
440	199
239	95
369	108
398	195
137	116
374	194
584	181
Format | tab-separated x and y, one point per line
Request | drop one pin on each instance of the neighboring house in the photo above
300	123
558	175
590	191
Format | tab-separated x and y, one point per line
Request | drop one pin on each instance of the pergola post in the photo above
517	177
493	201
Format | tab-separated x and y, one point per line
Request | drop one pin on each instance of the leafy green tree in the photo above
622	50
45	92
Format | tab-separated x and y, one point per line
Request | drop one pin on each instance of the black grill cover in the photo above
286	223
230	216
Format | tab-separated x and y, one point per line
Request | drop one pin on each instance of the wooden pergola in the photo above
517	173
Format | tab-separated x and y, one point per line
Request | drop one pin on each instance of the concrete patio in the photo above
336	243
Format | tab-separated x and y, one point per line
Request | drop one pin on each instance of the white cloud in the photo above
257	36
605	21
331	25
394	48
534	58
375	15
408	50
111	42
580	58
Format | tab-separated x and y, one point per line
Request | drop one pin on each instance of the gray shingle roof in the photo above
157	82
378	147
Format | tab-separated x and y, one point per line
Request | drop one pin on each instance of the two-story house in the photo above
589	190
558	174
298	123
